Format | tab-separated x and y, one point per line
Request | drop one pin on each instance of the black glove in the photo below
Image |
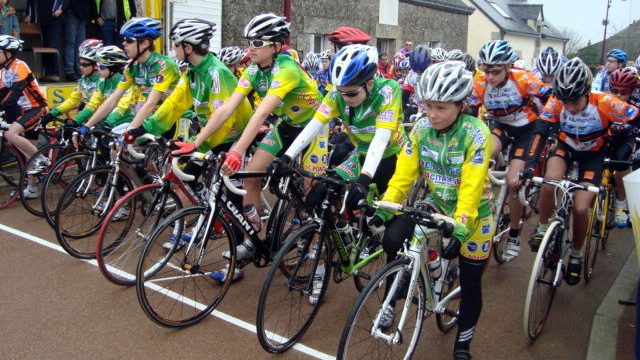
452	250
131	135
280	167
48	117
358	191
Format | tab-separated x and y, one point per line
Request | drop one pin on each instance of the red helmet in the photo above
346	35
626	77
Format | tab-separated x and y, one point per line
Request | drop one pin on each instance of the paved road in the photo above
57	307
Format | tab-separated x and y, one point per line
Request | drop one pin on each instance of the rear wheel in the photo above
11	168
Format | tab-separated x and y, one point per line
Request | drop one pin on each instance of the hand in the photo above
57	13
131	135
280	167
49	117
232	163
27	19
184	148
100	21
376	224
452	250
83	130
358	191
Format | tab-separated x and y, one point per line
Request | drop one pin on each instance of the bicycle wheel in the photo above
32	204
83	207
608	205
173	287
541	289
593	239
357	341
502	233
373	253
449	319
11	168
284	312
60	175
120	242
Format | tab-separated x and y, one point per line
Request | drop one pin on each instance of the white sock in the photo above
248	244
621	204
320	270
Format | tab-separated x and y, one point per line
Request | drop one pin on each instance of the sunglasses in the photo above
83	64
256	44
102	67
494	72
352	93
129	40
621	91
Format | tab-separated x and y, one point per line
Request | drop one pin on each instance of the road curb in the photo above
604	328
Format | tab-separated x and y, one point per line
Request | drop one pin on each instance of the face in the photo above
442	114
262	55
622	93
3	3
3	57
612	64
104	72
325	64
384	59
404	73
495	75
86	67
576	106
179	51
130	47
408	45
354	95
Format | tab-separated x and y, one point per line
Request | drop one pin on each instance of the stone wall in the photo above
422	24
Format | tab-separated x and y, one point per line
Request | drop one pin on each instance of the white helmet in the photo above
637	63
325	55
311	62
112	55
447	82
438	55
267	27
9	43
193	31
231	55
455	54
89	48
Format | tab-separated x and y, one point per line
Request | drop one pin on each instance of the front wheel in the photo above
11	168
594	230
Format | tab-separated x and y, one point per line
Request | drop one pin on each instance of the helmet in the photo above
448	82
420	58
497	52
470	63
404	65
231	55
193	31
311	62
9	43
625	77
637	63
548	62
245	57
180	63
619	55
438	55
112	55
354	65
325	55
141	27
518	64
88	49
572	80
347	35
456	55
267	27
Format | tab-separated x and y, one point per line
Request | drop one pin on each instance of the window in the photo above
499	9
319	43
386	46
433	44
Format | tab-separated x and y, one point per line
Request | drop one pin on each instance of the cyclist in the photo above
507	97
87	84
547	65
311	64
286	91
438	55
347	35
419	61
458	186
404	67
616	59
231	56
624	85
322	76
583	118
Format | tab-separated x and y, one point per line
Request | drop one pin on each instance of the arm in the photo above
268	104
152	100
222	114
70	103
376	150
305	138
407	170
171	109
547	123
106	108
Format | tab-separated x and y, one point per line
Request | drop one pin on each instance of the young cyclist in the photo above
458	187
286	91
438	55
616	59
507	95
347	35
231	57
87	84
322	76
311	64
419	61
547	65
583	118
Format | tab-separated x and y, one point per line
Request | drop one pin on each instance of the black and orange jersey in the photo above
19	86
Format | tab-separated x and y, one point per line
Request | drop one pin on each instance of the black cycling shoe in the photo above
535	241
574	270
461	354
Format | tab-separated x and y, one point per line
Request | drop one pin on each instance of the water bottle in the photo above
346	232
434	264
253	217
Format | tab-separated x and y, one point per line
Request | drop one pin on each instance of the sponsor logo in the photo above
310	100
631	112
486	229
589	175
478	156
386	93
244	83
324	109
295	108
486	246
241	219
262	85
365	130
386	116
252	70
425	151
407	148
268	141
217	103
444	180
456	159
476	134
215	81
472	246
314	158
275	84
322	144
159	79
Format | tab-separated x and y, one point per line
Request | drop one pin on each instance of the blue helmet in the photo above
141	27
619	55
497	52
420	58
354	65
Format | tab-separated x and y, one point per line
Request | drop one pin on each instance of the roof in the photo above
455	6
511	16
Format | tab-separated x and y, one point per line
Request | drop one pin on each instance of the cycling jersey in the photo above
455	165
601	82
204	88
87	85
289	82
123	111
158	73
322	78
635	98
410	84
509	104
19	86
381	110
586	131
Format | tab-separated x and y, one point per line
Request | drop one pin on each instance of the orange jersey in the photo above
512	103
586	131
17	85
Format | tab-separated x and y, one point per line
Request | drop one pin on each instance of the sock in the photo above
320	270
248	244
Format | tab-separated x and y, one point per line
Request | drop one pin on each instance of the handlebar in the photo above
442	222
175	167
565	184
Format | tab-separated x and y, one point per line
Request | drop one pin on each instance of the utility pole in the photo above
605	22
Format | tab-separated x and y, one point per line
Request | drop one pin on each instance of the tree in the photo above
575	40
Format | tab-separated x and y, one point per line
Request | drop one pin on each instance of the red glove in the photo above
233	160
184	148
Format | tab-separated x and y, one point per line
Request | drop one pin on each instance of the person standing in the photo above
46	13
112	14
76	13
8	20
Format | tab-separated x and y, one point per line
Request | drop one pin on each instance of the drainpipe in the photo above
287	13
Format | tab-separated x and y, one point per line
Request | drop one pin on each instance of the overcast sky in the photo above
585	16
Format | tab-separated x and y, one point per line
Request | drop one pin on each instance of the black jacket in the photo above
82	9
41	11
120	15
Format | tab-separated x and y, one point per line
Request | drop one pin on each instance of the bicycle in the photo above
166	279
548	267
407	284
283	315
11	167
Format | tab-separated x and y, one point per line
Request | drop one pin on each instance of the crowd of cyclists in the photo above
433	115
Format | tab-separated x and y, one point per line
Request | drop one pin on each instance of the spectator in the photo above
46	13
76	13
112	14
408	46
8	20
384	67
616	59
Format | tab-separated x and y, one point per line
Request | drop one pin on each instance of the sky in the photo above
585	16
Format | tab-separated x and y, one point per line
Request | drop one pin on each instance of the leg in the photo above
70	31
556	168
51	35
15	136
582	201
622	152
470	304
108	33
259	162
497	145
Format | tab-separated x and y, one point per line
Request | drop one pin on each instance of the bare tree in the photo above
575	40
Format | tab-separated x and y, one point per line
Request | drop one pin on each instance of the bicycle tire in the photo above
354	334
541	267
120	243
592	246
445	321
610	214
172	266
500	241
11	168
51	152
270	335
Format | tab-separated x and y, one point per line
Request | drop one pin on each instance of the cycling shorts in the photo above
30	120
590	163
520	137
